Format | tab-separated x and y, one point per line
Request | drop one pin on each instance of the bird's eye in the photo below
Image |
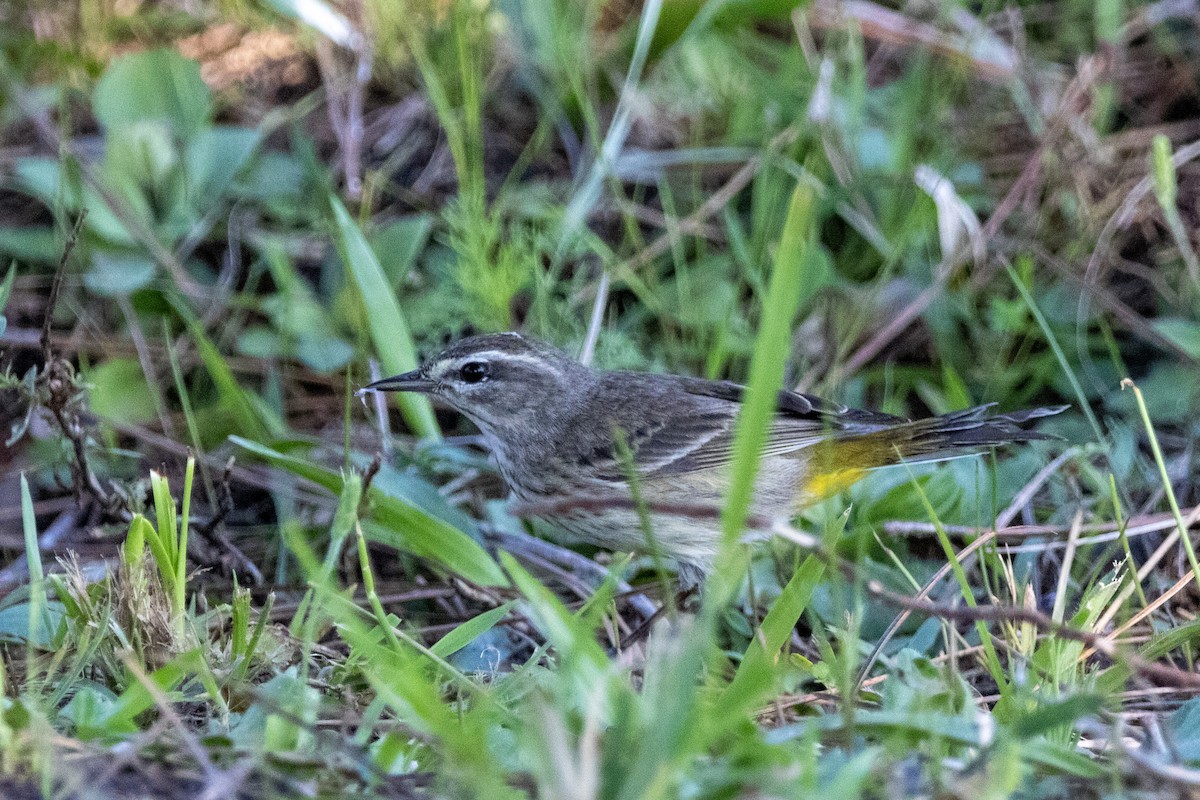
473	372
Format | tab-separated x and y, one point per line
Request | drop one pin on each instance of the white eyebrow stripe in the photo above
450	365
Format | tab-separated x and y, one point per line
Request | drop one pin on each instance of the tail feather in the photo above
971	430
869	441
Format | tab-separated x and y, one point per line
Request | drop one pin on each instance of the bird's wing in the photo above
697	434
690	428
800	421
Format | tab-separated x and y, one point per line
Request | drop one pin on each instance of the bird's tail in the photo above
971	430
867	441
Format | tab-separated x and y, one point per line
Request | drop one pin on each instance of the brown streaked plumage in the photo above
550	423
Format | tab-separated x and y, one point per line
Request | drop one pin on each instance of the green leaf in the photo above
756	675
398	523
397	245
214	157
38	245
323	352
1183	332
1184	727
114	274
389	330
1163	642
153	85
14	623
960	730
794	257
120	392
470	630
42	177
137	699
1058	714
941	488
143	155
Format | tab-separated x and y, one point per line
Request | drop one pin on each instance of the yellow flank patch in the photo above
826	484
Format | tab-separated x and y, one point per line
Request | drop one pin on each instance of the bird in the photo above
581	441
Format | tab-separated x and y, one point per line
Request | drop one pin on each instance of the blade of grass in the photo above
253	419
470	630
397	523
561	628
389	330
6	289
399	678
37	580
181	556
1052	340
1166	479
1166	191
1124	537
589	192
189	415
755	676
395	635
771	350
985	637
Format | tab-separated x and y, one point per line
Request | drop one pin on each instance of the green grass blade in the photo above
771	351
470	630
755	676
37	578
561	628
181	556
389	331
991	657
252	419
1052	340
1184	536
397	523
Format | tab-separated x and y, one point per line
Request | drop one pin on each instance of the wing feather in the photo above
698	435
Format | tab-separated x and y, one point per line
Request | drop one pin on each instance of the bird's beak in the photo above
408	382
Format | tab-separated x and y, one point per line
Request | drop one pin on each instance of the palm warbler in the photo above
555	427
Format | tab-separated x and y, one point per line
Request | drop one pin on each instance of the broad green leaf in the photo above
398	244
389	330
42	177
153	85
1184	333
120	392
144	153
14	623
1184	727
396	522
214	157
37	245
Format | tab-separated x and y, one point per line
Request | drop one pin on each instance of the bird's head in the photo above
502	382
